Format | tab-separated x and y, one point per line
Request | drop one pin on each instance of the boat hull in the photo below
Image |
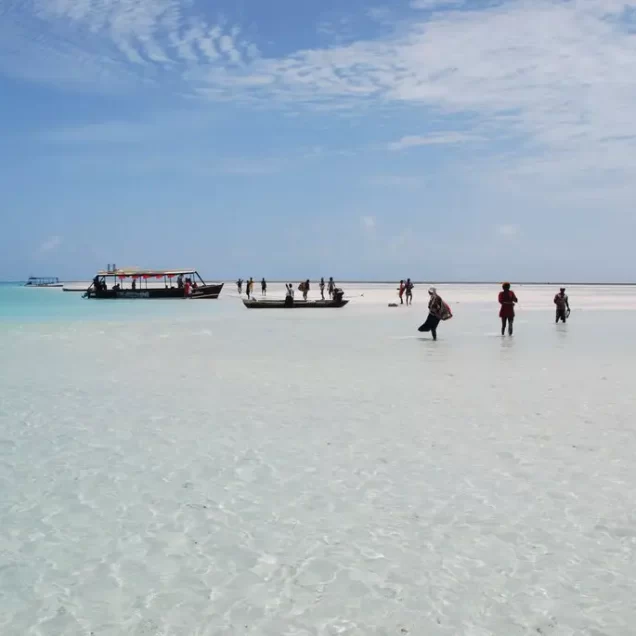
298	304
203	292
44	286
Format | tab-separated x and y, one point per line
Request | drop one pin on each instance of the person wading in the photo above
408	288
507	300
438	310
562	306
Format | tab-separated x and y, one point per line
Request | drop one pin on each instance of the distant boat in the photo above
74	289
43	281
174	285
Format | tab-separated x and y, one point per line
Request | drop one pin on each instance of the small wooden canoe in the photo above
297	304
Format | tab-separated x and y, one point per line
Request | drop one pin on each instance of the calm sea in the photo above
196	468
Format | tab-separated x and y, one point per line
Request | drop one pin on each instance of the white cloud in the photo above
412	141
555	77
368	223
507	230
50	244
396	180
435	4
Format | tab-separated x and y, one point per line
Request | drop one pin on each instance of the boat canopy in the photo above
43	280
147	273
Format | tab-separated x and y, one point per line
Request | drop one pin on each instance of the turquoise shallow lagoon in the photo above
188	468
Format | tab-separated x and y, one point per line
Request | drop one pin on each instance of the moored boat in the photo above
43	281
296	304
338	300
189	284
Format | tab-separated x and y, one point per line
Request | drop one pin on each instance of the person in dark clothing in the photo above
507	300
408	288
239	285
331	286
289	295
435	313
562	306
263	287
322	288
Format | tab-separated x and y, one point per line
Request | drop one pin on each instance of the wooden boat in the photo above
43	281
296	304
133	284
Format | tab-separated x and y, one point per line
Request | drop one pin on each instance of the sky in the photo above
434	139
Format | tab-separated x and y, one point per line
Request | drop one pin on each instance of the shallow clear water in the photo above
198	468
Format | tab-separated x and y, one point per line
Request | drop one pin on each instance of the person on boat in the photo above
250	288
401	292
239	285
562	306
438	310
187	288
331	286
305	289
289	295
263	287
180	281
408	290
322	288
507	300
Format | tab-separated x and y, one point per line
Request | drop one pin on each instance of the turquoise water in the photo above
177	468
19	304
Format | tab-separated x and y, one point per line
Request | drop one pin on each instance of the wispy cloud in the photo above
368	223
396	180
436	4
412	141
507	230
50	244
555	76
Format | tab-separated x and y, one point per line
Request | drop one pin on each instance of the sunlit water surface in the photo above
195	468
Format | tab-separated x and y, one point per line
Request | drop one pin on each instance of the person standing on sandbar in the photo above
507	300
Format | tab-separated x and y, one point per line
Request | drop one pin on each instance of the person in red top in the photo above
507	300
401	292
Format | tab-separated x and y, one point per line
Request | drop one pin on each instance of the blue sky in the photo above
437	139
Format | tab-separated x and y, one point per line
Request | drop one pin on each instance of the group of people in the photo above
438	310
406	289
249	287
304	287
508	299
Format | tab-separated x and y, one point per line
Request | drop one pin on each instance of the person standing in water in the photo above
322	288
562	306
507	300
438	310
401	292
305	289
263	287
239	285
408	288
249	288
331	286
